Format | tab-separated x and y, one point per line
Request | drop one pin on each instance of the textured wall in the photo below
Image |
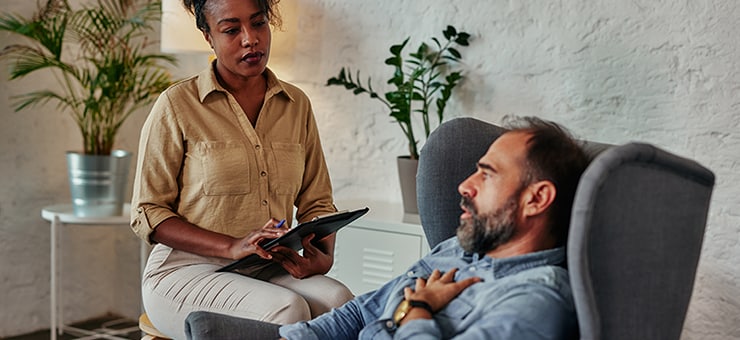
660	71
100	265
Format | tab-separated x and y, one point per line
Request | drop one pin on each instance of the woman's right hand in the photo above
250	244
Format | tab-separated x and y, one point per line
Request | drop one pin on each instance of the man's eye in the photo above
259	23
231	31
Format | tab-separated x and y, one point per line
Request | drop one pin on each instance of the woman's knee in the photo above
289	308
333	295
337	296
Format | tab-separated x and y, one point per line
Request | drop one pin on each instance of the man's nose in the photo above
466	189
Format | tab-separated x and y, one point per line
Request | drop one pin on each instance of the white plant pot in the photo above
407	168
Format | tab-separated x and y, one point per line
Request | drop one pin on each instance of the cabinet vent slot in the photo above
379	252
377	259
377	266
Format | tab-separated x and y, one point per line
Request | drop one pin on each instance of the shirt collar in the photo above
502	267
207	84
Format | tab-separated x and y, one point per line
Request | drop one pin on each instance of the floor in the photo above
110	322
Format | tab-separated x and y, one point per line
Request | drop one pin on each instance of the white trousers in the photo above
176	283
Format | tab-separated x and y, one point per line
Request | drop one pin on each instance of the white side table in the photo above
62	214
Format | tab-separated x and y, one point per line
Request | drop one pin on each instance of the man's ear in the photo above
537	197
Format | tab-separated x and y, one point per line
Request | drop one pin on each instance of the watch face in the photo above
401	311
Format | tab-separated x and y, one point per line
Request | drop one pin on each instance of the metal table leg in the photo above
53	289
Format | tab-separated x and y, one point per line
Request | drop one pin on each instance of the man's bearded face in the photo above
485	232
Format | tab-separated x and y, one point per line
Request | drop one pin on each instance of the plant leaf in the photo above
454	53
397	49
417	81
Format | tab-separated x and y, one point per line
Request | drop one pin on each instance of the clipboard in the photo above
320	227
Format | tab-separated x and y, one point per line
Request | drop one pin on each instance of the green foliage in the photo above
99	57
420	82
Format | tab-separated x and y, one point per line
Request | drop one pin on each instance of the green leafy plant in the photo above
99	57
419	82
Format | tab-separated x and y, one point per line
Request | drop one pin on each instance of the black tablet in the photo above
320	227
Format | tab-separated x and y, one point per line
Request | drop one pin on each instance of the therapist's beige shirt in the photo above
200	159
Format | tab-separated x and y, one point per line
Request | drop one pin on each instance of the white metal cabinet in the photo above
377	247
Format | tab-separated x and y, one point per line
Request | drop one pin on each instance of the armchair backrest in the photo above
635	236
448	157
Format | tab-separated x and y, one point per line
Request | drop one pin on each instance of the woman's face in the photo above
240	36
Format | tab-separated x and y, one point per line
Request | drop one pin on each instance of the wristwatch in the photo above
405	306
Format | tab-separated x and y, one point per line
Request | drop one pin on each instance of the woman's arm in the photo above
179	234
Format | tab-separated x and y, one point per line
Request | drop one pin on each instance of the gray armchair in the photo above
635	236
636	232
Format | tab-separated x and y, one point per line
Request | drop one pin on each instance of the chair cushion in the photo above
148	328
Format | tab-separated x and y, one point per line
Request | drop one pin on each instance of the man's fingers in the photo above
438	276
449	276
420	284
407	293
467	282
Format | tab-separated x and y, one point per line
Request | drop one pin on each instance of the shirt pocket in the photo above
226	168
289	161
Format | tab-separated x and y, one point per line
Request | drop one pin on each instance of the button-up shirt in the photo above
522	297
202	160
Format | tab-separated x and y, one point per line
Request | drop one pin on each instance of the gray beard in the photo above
483	233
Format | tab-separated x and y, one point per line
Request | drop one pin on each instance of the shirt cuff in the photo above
296	331
143	220
419	328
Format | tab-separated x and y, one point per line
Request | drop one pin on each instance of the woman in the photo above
222	156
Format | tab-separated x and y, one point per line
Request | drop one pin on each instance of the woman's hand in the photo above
315	260
250	244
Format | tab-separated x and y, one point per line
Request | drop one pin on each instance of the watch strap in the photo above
421	304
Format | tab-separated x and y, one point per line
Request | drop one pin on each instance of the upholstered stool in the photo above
150	332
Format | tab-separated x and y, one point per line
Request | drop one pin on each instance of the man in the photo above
502	277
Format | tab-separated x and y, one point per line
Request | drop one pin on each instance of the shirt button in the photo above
471	269
410	274
264	202
257	146
389	324
263	173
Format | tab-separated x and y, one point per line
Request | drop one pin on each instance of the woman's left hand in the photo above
314	260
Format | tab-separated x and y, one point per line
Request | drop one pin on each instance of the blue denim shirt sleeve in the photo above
363	313
344	322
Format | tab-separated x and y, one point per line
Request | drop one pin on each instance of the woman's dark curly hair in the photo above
269	7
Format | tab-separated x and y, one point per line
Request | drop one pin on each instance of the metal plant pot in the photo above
98	183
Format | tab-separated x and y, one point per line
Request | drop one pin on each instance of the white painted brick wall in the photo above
663	72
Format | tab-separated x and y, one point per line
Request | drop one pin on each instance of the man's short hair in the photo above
552	155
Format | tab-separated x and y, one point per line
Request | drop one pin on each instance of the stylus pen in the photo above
279	225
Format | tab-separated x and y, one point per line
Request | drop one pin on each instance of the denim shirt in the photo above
521	297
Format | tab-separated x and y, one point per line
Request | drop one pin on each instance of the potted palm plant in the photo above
421	85
100	56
